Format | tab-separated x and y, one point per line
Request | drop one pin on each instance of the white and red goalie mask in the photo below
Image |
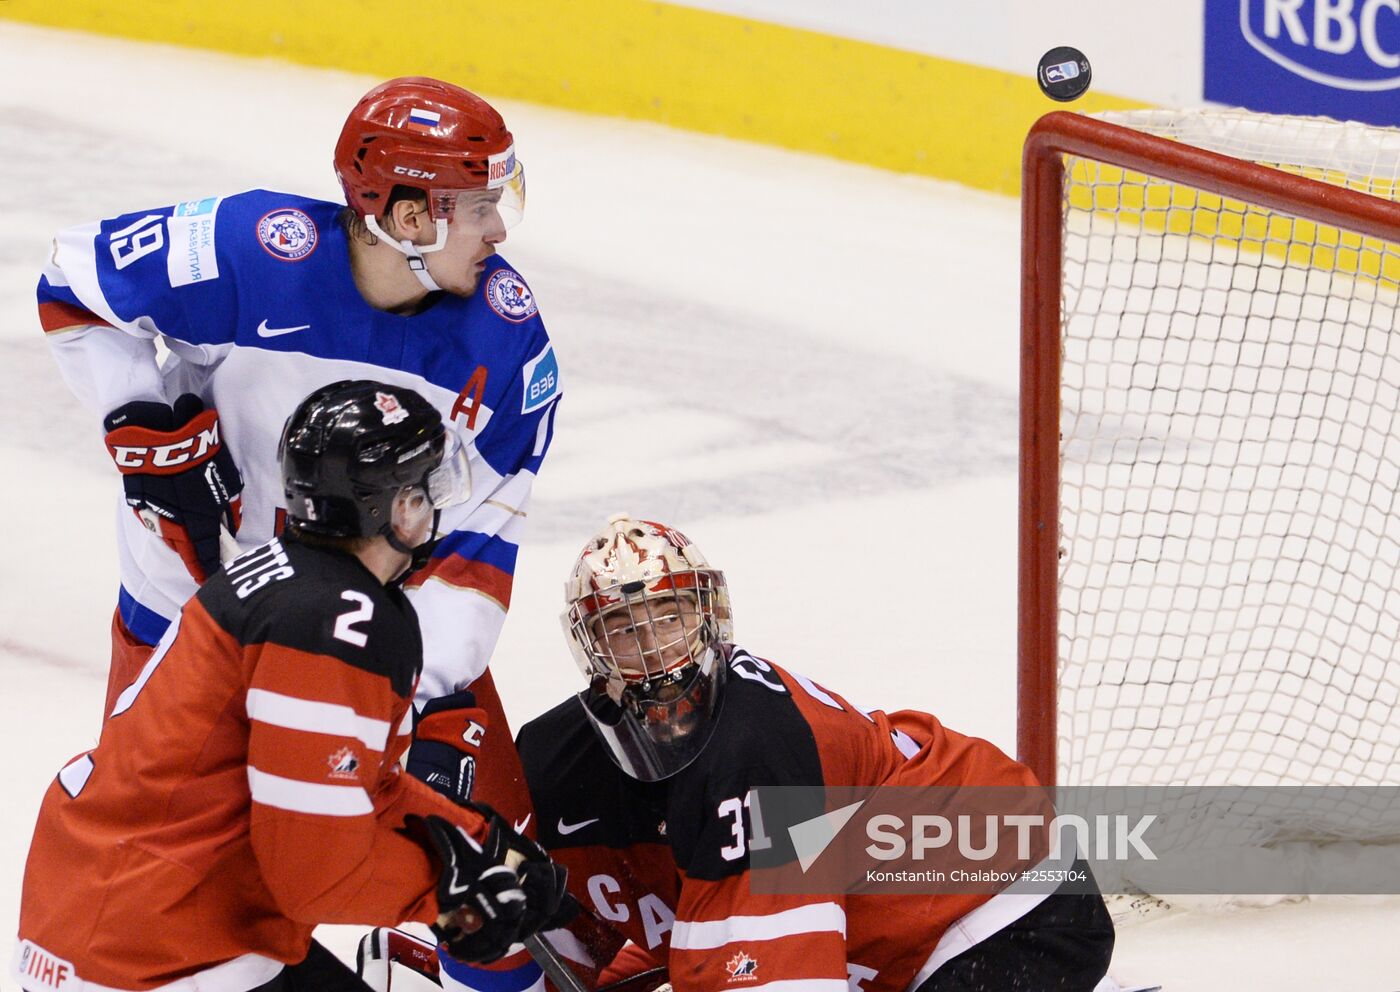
644	618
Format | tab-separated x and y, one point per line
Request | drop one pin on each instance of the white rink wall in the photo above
1161	65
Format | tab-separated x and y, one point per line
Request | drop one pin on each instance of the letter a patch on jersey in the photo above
541	375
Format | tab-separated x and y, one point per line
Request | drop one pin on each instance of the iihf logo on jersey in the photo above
510	297
35	965
344	764
287	234
742	968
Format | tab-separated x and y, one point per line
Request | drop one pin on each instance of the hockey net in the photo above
1211	452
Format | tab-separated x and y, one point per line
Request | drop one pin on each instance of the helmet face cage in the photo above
639	643
645	618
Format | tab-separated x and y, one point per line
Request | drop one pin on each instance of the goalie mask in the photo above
645	619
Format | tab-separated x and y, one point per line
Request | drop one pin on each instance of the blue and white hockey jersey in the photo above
254	299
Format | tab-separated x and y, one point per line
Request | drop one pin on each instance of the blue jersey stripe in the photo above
145	624
485	548
49	293
515	980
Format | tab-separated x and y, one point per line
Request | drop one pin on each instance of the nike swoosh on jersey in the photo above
568	828
520	825
272	332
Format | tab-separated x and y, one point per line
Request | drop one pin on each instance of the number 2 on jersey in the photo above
345	623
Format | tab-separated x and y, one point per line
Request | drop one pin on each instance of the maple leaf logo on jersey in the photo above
343	764
388	404
742	968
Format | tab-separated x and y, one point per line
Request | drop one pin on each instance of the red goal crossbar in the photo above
1042	218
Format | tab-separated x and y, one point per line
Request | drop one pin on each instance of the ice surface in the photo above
809	367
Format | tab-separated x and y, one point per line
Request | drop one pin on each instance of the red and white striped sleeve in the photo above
328	797
724	934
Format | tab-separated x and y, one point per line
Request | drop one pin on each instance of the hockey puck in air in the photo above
1063	74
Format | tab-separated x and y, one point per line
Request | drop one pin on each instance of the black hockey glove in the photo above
180	480
447	736
547	901
480	899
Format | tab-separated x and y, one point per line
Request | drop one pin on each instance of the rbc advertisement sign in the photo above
1336	58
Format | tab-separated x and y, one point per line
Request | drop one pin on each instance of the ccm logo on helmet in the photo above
167	458
403	170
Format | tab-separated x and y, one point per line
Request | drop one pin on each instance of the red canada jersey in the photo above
665	864
246	788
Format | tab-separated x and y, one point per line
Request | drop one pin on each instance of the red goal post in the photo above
1056	139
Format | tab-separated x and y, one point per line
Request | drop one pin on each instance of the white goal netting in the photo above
1230	456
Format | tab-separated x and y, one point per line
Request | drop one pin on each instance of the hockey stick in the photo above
640	981
543	953
563	977
552	964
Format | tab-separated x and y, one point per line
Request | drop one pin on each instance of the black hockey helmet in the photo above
349	448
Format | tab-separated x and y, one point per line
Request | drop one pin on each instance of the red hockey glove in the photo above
447	736
180	480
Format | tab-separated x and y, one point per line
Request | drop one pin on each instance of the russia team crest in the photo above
287	234
510	297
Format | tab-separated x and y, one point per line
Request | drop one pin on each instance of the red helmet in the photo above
429	135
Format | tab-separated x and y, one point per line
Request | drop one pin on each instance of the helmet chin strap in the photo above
418	556
414	253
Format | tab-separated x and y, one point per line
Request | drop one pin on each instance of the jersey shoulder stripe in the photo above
290	712
308	797
490	549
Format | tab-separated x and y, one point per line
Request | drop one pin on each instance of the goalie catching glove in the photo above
179	478
494	894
